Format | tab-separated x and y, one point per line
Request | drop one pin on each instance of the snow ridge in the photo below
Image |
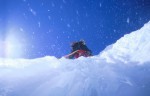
133	47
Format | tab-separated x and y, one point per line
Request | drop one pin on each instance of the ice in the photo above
122	69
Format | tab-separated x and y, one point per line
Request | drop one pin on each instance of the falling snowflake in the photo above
21	29
49	17
39	24
100	4
57	37
128	20
64	1
61	7
32	11
68	25
53	5
78	22
77	12
33	33
86	14
24	0
42	4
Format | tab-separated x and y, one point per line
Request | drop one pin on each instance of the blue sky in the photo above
37	28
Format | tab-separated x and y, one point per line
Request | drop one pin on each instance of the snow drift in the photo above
122	69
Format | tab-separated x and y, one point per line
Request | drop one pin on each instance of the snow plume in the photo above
122	69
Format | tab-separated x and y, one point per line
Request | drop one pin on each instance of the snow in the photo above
64	1
32	11
122	69
39	24
128	20
133	47
100	4
68	25
21	29
53	5
49	17
77	12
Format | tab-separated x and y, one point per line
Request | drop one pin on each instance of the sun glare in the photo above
12	46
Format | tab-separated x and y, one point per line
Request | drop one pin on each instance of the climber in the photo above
79	49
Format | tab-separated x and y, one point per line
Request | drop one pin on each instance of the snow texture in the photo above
122	69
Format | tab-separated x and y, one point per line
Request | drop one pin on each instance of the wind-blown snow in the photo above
122	69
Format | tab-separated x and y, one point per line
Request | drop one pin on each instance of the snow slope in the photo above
122	69
134	47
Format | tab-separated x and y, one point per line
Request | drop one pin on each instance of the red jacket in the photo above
77	54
